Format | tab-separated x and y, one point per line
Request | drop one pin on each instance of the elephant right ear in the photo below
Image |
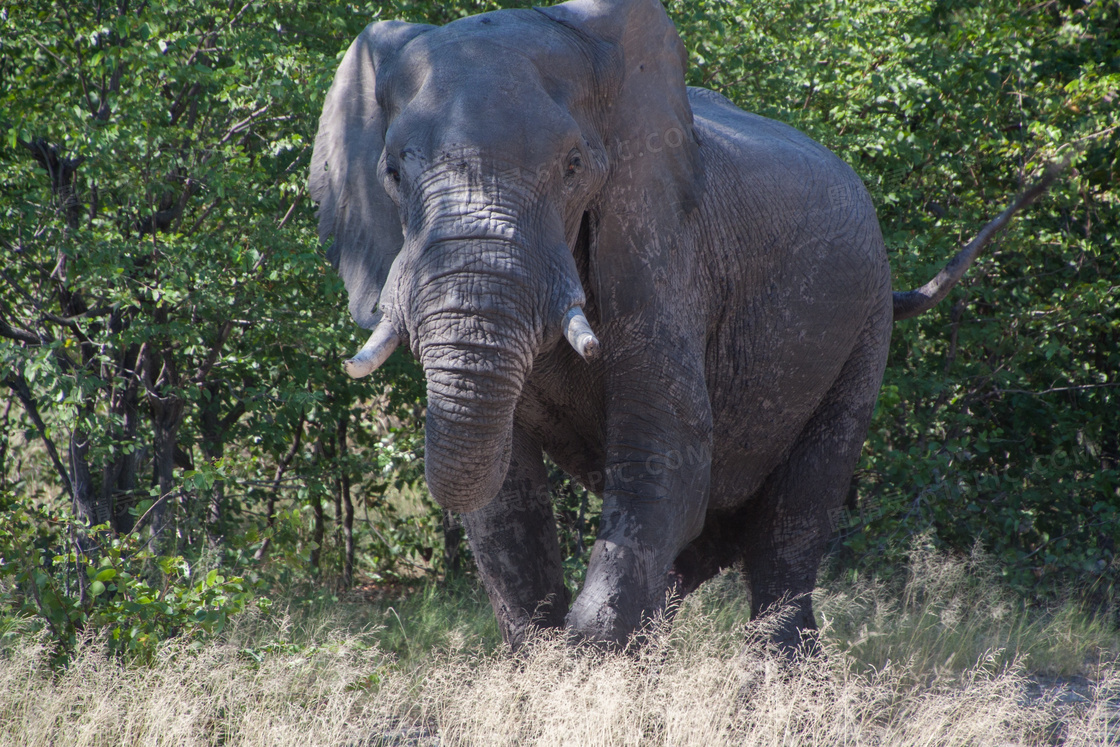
354	208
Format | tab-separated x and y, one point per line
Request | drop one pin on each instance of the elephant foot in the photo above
798	643
617	597
515	622
788	625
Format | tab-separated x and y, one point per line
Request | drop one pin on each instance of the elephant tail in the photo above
918	301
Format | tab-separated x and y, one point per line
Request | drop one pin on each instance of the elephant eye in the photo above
393	173
574	166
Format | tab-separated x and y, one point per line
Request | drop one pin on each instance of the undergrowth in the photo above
949	613
947	659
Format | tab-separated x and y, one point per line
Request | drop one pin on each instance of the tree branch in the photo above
20	335
281	468
1053	389
18	384
292	208
240	126
215	351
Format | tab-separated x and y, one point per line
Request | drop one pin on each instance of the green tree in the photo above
168	325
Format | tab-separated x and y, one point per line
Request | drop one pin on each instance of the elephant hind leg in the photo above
515	546
791	521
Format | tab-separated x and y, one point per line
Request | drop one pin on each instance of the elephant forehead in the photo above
481	221
501	115
511	51
525	32
487	42
465	271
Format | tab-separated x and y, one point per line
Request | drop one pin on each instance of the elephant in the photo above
685	306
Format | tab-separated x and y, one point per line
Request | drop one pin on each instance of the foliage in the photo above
169	330
577	521
116	588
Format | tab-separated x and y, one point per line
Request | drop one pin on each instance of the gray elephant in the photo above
509	181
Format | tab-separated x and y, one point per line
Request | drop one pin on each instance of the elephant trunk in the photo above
469	433
477	322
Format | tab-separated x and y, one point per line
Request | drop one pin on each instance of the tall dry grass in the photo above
709	679
951	613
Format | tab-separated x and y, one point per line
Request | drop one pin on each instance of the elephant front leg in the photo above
515	547
654	502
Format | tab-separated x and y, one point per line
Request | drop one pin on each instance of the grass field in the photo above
944	660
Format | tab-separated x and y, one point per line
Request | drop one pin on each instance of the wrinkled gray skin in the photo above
483	178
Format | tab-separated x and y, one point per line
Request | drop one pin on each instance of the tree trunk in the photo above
118	476
166	417
330	453
214	431
5	430
162	381
18	384
318	533
281	468
347	502
86	503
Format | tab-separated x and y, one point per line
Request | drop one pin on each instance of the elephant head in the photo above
457	168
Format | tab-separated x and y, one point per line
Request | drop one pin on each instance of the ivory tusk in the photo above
377	349
579	334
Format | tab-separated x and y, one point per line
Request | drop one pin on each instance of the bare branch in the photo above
292	209
281	468
1053	389
205	214
243	124
20	335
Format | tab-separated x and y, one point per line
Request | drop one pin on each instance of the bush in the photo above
106	587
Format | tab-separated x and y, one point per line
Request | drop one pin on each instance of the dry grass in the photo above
952	614
708	680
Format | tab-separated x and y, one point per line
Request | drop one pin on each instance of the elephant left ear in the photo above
650	139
